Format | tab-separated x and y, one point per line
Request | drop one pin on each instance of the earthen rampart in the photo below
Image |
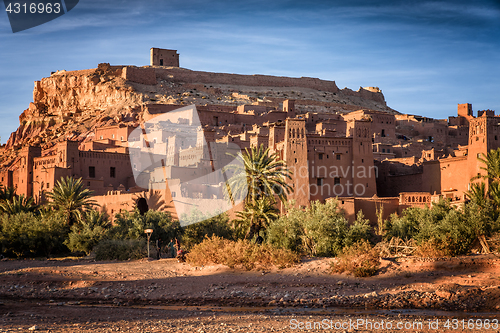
188	76
139	75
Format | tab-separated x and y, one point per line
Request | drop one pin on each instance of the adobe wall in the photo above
139	75
115	201
46	179
383	125
369	206
415	199
117	133
189	76
257	109
103	162
341	166
391	185
6	178
458	136
464	110
450	169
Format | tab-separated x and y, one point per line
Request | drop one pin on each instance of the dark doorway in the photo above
91	172
142	205
161	62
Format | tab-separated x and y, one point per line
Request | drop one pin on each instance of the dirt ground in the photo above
408	294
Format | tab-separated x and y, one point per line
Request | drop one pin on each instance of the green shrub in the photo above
132	225
27	235
240	254
214	226
88	232
359	230
121	249
318	230
450	230
360	260
287	231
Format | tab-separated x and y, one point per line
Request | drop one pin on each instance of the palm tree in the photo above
491	163
258	215
71	197
258	174
478	194
7	193
17	205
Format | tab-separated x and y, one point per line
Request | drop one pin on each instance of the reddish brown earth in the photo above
167	296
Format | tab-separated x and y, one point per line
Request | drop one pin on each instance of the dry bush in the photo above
360	260
431	249
240	254
494	242
396	247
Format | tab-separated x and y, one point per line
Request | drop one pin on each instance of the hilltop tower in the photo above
164	57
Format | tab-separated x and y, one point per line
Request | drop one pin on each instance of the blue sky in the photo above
426	57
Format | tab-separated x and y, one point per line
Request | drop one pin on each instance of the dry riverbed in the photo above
166	296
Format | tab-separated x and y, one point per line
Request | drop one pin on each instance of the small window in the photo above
100	137
320	156
173	194
88	183
48	185
383	150
112	172
388	150
121	138
112	136
383	133
338	157
91	172
319	181
336	181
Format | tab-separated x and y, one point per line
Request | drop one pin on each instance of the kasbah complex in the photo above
338	142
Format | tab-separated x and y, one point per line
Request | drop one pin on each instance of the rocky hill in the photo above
70	105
